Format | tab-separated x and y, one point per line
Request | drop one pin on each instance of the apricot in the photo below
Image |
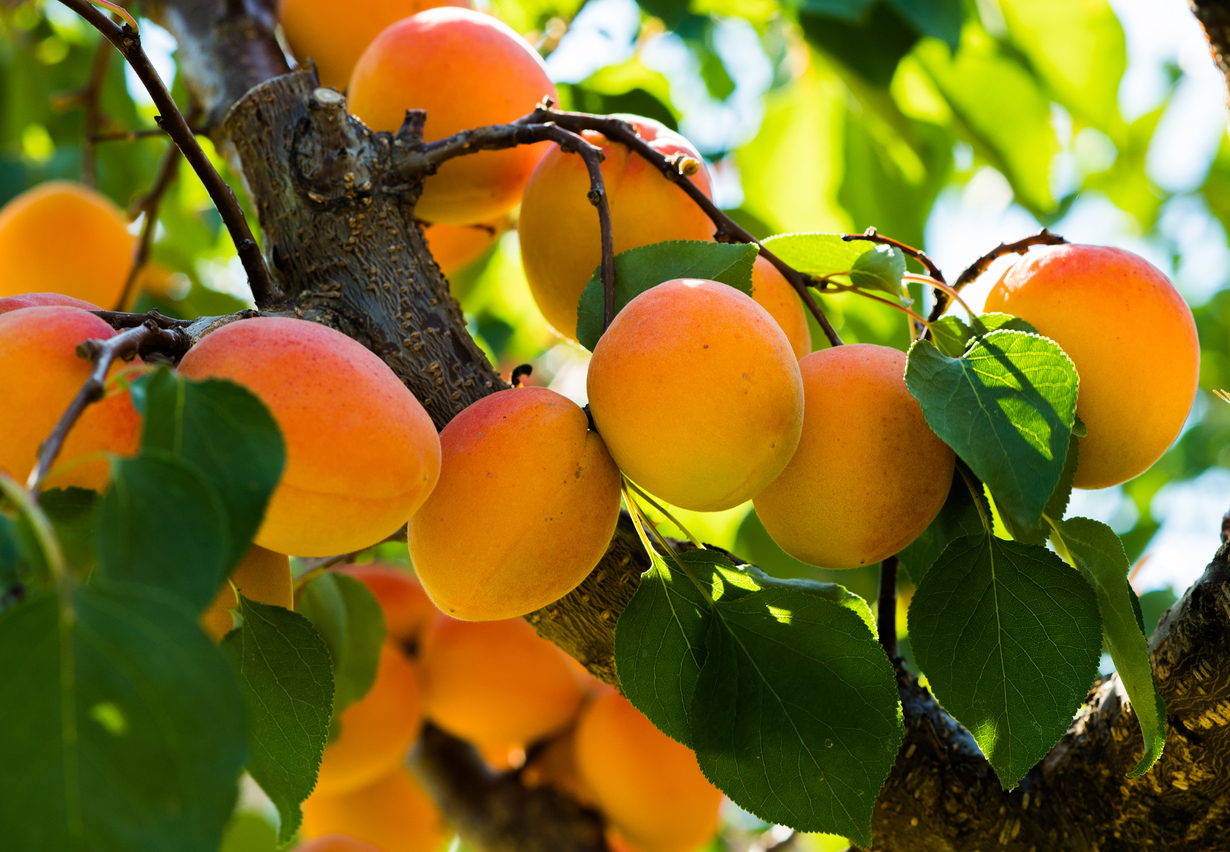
697	394
335	843
335	39
869	474
39	300
773	292
649	787
40	374
455	247
63	237
1132	339
361	453
467	70
560	239
262	576
556	766
393	813
496	683
527	457
377	729
408	612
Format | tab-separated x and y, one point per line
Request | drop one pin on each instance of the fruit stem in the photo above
662	509
850	288
944	288
976	492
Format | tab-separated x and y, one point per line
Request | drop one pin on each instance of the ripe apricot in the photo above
40	374
335	843
696	392
869	474
361	453
560	239
377	729
261	575
393	813
466	69
63	237
496	683
647	785
407	609
1132	339
527	457
773	292
455	247
335	39
39	300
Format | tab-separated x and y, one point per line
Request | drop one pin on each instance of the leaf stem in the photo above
652	502
976	493
39	523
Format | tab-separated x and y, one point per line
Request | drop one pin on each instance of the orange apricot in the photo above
361	453
773	292
696	392
455	247
647	785
496	683
556	766
560	239
40	374
334	39
64	237
527	457
393	813
262	576
40	300
335	843
377	729
407	609
1132	339
466	69
869	474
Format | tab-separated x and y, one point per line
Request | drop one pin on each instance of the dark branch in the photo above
886	607
149	204
170	119
1214	16
979	266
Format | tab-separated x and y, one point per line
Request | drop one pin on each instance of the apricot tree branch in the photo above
871	236
979	266
170	119
148	204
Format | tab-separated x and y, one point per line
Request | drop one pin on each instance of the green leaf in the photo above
287	677
1009	637
1006	407
953	337
1056	506
879	269
161	524
641	269
938	18
227	433
794	685
869	266
871	46
958	517
121	725
352	624
1153	606
1098	553
71	512
659	643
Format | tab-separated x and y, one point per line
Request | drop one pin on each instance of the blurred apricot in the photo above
377	729
335	843
63	237
649	787
467	70
1132	339
42	300
556	766
773	292
40	373
869	474
560	239
407	609
317	31
361	453
496	682
527	456
262	576
457	246
697	394
393	813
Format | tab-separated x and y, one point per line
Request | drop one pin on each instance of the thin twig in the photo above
170	119
886	606
871	236
103	353
90	95
979	266
149	204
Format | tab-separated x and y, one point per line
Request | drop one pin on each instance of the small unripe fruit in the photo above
1132	339
361	453
696	392
649	786
773	292
496	683
40	373
527	458
377	729
560	239
262	576
408	612
869	474
63	237
467	70
394	814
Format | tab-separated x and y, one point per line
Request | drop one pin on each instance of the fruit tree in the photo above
298	550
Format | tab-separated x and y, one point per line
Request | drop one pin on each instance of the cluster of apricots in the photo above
500	687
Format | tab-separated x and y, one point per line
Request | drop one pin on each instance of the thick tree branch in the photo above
1214	16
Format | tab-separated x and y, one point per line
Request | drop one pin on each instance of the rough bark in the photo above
336	208
1214	16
